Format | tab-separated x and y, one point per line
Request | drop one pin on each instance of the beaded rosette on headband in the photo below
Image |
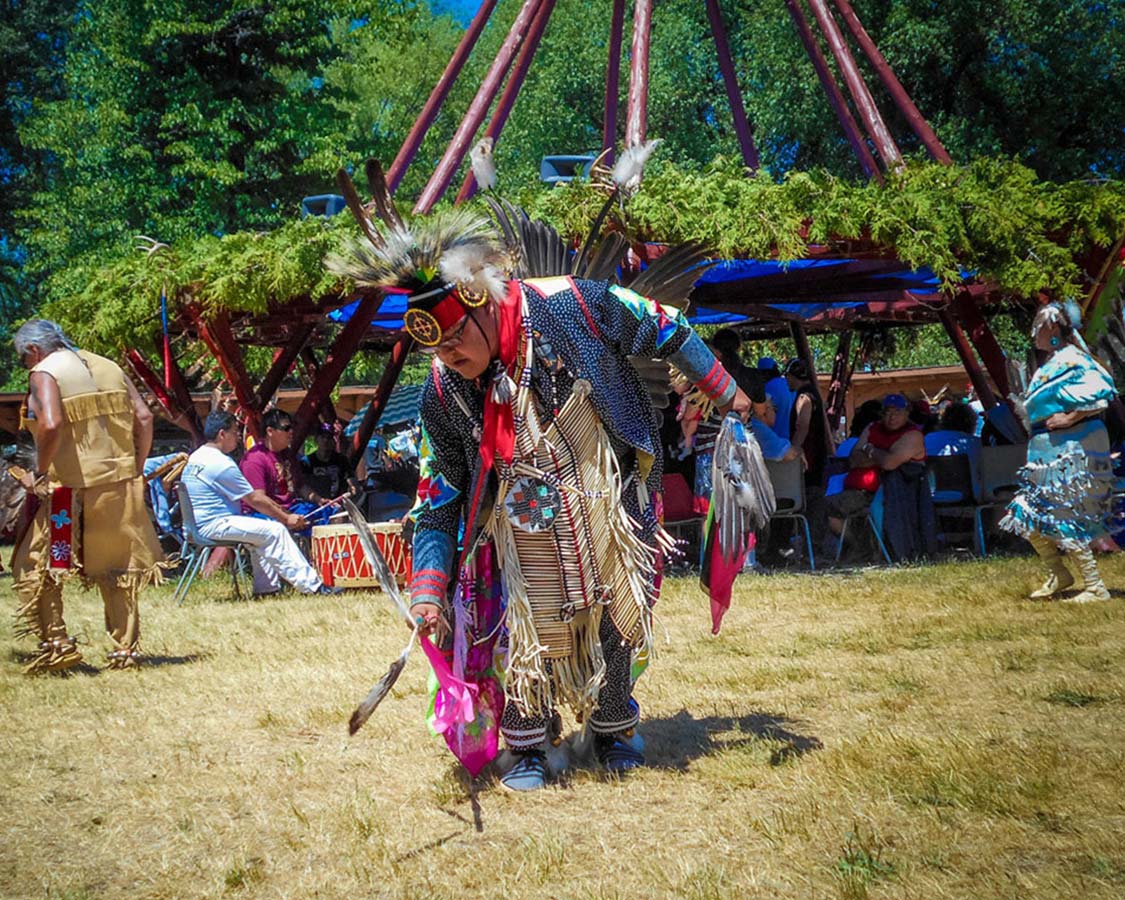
445	266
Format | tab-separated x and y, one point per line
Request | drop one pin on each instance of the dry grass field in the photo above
909	733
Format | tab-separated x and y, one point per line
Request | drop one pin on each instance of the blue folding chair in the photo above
197	550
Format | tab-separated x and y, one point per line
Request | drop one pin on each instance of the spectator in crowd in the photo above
976	406
890	454
869	411
923	415
216	487
956	436
271	467
807	425
778	395
326	471
959	417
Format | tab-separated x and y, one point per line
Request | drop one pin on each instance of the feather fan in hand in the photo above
742	501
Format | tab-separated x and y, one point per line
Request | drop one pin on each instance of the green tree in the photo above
180	119
1040	80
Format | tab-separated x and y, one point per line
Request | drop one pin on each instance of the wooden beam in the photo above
636	121
838	388
283	361
152	381
343	349
463	137
379	399
804	351
832	90
216	333
730	81
325	409
437	96
968	360
857	87
901	98
613	81
511	89
980	334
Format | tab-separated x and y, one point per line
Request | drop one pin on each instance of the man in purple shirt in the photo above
271	467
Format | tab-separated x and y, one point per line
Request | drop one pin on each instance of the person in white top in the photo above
215	486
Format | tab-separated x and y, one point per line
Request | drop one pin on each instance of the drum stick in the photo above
325	506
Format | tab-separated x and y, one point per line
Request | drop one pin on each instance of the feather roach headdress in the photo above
445	265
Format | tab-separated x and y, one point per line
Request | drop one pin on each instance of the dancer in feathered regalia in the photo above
541	449
1063	503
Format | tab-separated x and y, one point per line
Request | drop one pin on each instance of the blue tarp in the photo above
403	406
921	281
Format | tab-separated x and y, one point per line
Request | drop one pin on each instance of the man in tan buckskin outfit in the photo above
87	514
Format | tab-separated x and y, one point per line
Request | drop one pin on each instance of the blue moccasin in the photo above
528	774
620	752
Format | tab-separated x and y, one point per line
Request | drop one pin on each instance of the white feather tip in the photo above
483	164
630	167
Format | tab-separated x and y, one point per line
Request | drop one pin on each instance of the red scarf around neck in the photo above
499	431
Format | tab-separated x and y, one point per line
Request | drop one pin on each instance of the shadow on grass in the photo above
154	662
23	657
673	742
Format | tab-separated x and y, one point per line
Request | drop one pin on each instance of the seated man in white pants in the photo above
215	486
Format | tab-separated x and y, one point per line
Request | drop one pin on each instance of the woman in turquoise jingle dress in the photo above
1063	503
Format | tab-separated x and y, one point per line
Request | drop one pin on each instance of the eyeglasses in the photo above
456	336
288	427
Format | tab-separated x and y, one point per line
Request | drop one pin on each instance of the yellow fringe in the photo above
103	403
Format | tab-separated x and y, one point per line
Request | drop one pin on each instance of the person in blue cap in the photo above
890	454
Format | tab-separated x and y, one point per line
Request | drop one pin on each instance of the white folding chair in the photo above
197	550
788	479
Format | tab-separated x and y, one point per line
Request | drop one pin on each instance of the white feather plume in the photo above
469	265
483	164
630	167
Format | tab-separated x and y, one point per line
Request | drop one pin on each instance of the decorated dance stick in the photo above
390	587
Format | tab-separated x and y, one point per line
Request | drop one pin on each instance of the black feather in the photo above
381	194
351	197
377	694
602	265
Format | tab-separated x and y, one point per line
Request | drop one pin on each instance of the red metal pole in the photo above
379	399
636	120
437	96
613	80
734	95
835	96
283	362
968	360
217	335
181	395
346	344
511	89
459	146
186	419
864	102
894	87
